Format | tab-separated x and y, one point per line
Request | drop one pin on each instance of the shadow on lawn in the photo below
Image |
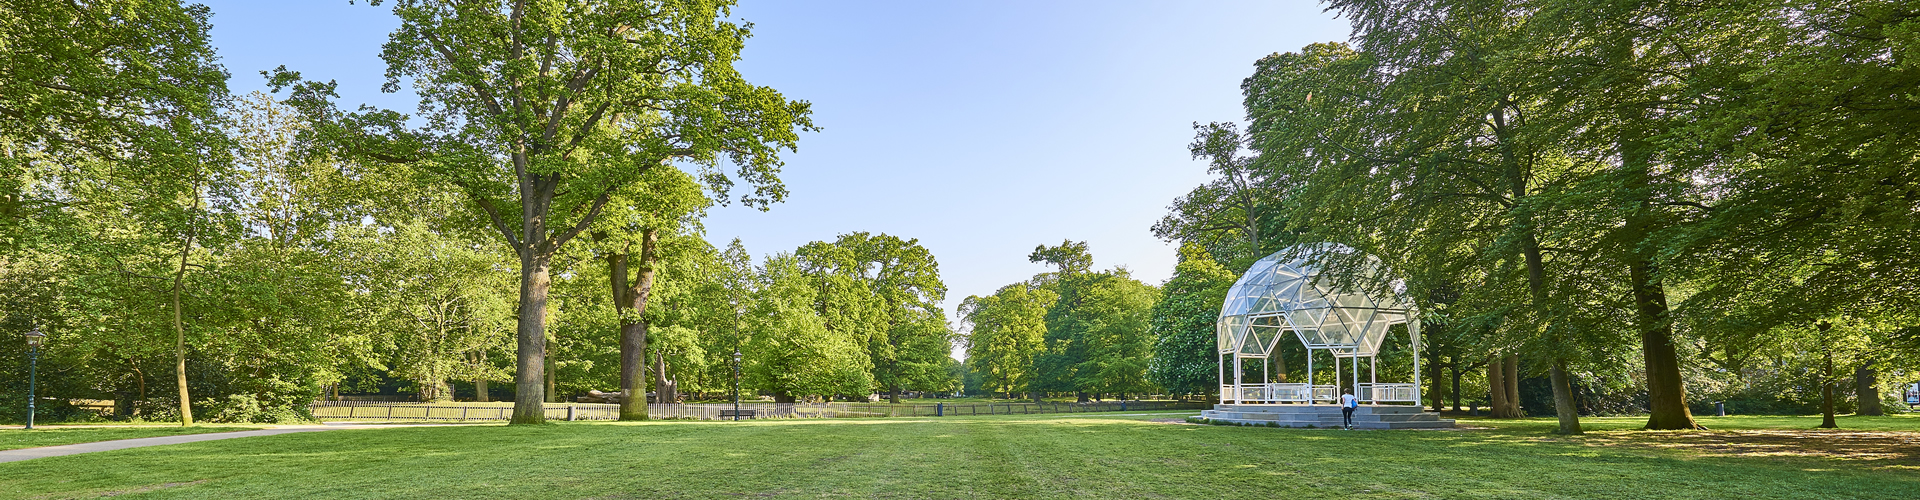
1880	449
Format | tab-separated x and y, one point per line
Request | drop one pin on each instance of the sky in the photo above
980	128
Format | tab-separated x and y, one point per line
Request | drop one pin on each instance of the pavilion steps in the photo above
1327	415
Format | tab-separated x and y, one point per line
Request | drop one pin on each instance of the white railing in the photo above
1278	393
1387	393
1326	393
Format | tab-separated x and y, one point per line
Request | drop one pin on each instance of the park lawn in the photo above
1906	422
55	435
1011	456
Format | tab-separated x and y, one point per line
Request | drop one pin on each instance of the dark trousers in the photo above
1346	412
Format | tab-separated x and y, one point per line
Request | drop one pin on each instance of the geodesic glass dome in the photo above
1283	292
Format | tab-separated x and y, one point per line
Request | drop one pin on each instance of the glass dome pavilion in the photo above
1283	294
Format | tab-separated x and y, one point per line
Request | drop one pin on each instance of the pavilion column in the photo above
1309	377
1239	396
1336	373
1356	376
1222	369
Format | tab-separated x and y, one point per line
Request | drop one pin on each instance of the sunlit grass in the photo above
1020	456
58	435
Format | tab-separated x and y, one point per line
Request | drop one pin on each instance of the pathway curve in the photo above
121	444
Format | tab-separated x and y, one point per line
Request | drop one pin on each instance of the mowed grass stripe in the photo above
1037	456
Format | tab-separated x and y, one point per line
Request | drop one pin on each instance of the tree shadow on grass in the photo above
1877	449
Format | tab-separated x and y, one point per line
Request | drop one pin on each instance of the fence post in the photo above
463	413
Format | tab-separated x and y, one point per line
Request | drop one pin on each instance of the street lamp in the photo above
34	337
736	385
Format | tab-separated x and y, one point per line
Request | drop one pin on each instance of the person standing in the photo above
1348	403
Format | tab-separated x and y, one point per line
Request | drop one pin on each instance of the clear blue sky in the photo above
982	128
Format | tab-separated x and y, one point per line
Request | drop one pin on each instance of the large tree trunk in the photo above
1866	386
1512	372
529	391
1496	388
1563	405
893	395
431	390
661	385
1519	186
553	379
1826	380
632	302
179	325
480	390
1036	397
1666	392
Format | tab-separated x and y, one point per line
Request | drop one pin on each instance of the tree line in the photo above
1095	333
191	252
1635	203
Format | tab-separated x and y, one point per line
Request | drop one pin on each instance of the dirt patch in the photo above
1879	449
1181	420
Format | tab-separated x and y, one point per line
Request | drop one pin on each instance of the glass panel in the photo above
1223	335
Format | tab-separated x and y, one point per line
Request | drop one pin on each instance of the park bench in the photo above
725	413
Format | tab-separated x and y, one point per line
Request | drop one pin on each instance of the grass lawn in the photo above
58	435
1017	456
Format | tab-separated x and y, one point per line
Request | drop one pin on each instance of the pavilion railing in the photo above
1279	393
1387	393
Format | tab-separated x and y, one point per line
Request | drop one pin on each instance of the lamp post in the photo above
736	385
34	337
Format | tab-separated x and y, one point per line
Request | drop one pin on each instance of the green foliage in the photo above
1097	337
1186	356
1552	175
790	352
1007	330
541	114
886	292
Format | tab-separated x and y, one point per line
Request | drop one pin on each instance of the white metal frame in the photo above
1282	295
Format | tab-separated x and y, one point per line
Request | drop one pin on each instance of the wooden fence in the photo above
377	411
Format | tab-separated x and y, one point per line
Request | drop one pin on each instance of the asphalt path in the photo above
121	444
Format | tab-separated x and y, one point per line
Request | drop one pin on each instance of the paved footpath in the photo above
121	444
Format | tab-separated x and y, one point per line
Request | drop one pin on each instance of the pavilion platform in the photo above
1328	415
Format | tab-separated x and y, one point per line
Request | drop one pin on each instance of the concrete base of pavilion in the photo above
1327	415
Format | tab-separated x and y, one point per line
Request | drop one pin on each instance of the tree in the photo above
1226	215
540	113
886	290
127	89
1186	356
789	351
667	201
1436	147
1097	338
1007	330
129	84
435	301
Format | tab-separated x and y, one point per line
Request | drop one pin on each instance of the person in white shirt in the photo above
1348	404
